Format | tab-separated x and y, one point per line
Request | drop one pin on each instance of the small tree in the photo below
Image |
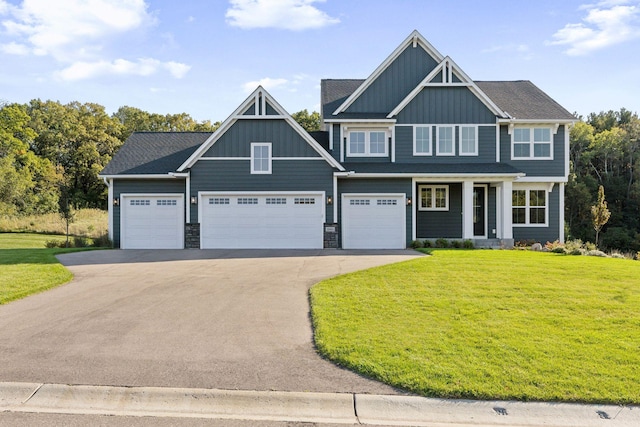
65	209
599	213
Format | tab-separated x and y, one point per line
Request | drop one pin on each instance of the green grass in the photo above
26	267
489	325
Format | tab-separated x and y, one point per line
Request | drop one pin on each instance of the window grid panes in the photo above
261	158
356	143
529	207
247	200
377	142
467	140
219	201
434	197
138	202
532	143
445	140
276	201
304	201
166	202
423	140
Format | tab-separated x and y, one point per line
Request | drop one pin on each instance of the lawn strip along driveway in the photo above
204	319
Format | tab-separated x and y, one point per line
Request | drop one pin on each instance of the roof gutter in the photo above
144	176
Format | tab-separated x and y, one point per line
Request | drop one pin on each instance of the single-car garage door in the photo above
261	221
373	221
151	221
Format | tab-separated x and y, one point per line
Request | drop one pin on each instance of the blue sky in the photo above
203	57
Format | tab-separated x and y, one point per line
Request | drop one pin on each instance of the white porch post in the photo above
505	209
467	209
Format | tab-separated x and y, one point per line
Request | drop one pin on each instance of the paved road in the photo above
197	319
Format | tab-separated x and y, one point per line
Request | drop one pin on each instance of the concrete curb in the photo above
337	408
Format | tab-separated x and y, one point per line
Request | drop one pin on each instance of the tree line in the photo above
51	154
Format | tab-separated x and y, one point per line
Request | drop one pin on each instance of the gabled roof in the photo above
416	39
259	105
523	100
448	73
154	153
334	92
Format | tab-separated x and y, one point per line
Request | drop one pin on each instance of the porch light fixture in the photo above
329	200
408	201
194	200
116	202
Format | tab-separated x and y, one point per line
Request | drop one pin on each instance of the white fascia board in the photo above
536	121
314	144
383	121
414	37
447	176
543	179
143	176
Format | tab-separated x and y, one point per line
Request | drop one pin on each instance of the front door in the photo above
479	211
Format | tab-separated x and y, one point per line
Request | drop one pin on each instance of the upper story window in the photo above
531	143
422	141
446	144
367	143
261	158
468	140
529	207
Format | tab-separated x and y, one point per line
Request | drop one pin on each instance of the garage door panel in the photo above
152	222
373	222
279	221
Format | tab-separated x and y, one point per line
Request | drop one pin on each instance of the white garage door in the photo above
373	221
261	221
151	221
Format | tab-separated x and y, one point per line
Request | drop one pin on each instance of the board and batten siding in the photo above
395	82
550	168
148	186
376	186
491	211
287	175
543	234
236	141
486	147
446	105
440	224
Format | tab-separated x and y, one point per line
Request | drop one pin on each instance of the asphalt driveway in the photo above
226	319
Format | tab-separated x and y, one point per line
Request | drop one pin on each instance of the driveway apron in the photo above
227	319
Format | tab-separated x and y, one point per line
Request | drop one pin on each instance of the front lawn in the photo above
27	267
489	325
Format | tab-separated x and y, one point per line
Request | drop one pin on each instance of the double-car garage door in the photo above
261	221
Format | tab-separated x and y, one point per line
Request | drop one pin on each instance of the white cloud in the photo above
607	23
14	48
67	29
522	50
283	14
267	83
83	70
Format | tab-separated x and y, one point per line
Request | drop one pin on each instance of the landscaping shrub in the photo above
81	242
427	244
468	244
596	253
102	241
456	244
442	243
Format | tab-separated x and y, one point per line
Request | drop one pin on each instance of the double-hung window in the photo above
261	158
445	145
529	207
532	143
422	141
365	143
433	197
468	140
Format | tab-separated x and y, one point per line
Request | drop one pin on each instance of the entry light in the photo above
116	202
194	200
408	201
329	200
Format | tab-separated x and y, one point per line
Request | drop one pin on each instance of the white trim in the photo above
249	158
253	158
475	136
392	130
561	212
414	211
506	228
467	209
376	121
415	138
453	140
142	176
545	122
331	136
342	142
265	117
109	183
433	188
260	91
224	158
188	199
541	179
435	176
415	38
335	198
566	153
497	143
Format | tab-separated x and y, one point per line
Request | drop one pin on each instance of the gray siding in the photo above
553	167
441	224
236	141
395	83
486	147
376	186
287	175
543	234
492	223
446	105
148	186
